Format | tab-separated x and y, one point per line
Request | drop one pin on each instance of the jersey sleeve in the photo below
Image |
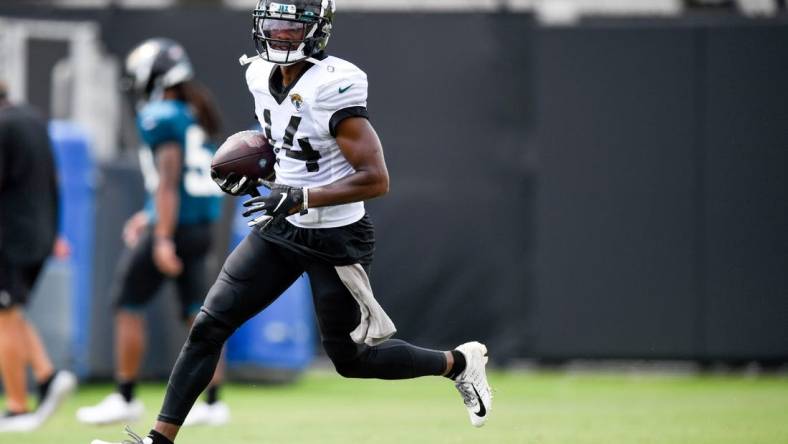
159	128
340	99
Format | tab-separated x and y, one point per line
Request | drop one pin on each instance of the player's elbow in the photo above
381	184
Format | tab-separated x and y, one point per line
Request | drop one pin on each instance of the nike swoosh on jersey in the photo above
341	90
281	201
482	410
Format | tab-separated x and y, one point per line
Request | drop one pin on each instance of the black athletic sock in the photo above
459	365
158	438
212	394
10	414
43	387
126	389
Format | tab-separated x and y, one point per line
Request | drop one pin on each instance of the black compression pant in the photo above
252	277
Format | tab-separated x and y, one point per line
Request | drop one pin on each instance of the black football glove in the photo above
283	201
235	184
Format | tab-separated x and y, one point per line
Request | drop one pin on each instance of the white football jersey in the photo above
299	128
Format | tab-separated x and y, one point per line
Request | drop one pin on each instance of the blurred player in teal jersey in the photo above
171	236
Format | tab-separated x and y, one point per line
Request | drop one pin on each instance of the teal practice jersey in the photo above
172	121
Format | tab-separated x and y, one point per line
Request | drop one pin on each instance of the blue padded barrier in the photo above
76	171
281	337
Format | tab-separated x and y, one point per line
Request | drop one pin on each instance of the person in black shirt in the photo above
28	231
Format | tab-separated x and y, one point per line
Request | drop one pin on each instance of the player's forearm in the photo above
359	186
167	202
168	159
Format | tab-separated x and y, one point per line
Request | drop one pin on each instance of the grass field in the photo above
543	408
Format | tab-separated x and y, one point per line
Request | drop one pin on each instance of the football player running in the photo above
312	108
170	238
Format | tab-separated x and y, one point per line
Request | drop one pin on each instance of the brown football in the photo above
246	153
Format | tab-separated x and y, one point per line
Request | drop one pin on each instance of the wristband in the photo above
305	203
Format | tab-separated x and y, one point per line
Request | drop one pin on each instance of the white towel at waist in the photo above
375	326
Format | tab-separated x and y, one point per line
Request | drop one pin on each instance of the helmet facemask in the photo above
286	34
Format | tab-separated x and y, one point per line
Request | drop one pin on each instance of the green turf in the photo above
534	408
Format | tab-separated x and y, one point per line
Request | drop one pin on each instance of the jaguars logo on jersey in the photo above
297	101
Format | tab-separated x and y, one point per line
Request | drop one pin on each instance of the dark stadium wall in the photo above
615	200
612	190
662	189
745	194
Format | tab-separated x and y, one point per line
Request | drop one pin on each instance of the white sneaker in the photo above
202	413
135	439
472	383
25	422
113	408
61	387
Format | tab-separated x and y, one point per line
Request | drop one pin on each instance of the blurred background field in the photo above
542	407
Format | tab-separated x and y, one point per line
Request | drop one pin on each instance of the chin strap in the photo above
315	61
245	60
